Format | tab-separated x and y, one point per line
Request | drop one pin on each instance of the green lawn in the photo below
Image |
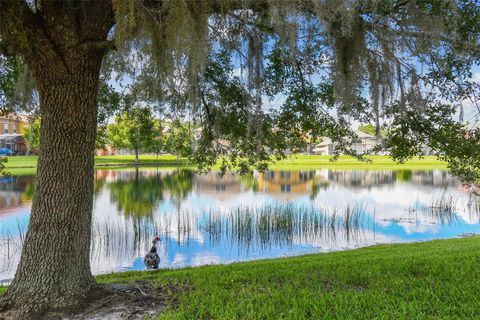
144	160
348	163
430	280
31	161
291	163
21	162
26	165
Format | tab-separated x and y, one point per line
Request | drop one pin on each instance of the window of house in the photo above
270	174
5	128
285	188
285	174
14	128
304	175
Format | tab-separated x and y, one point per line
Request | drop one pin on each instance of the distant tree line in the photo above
136	129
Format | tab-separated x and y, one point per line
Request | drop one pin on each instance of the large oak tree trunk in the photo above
54	270
63	43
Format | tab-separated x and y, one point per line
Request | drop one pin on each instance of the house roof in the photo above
10	136
472	126
17	117
325	142
364	135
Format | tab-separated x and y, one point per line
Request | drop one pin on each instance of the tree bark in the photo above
54	270
136	156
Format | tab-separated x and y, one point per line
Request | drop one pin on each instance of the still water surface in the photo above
206	219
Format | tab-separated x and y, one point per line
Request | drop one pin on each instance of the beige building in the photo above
12	127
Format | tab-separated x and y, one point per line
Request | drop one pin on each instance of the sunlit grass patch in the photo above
294	162
350	163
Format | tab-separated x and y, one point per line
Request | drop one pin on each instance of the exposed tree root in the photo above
29	304
24	307
110	301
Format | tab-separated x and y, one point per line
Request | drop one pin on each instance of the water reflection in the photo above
138	192
213	219
15	192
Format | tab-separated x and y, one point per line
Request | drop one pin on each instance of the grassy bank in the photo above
349	163
27	165
429	280
20	164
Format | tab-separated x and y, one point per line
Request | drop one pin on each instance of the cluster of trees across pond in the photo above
136	129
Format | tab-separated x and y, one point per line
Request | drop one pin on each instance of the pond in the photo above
210	219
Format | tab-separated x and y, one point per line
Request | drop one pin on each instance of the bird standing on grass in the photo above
152	259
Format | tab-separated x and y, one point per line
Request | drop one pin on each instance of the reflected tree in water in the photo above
138	194
16	191
318	184
403	175
249	181
98	184
178	184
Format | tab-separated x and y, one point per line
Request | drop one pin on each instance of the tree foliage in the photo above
368	128
179	138
133	129
31	135
110	102
8	80
157	144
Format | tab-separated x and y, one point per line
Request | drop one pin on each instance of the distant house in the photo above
326	147
222	145
106	151
12	128
197	134
470	129
364	144
14	123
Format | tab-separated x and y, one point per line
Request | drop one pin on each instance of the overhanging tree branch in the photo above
24	33
97	45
